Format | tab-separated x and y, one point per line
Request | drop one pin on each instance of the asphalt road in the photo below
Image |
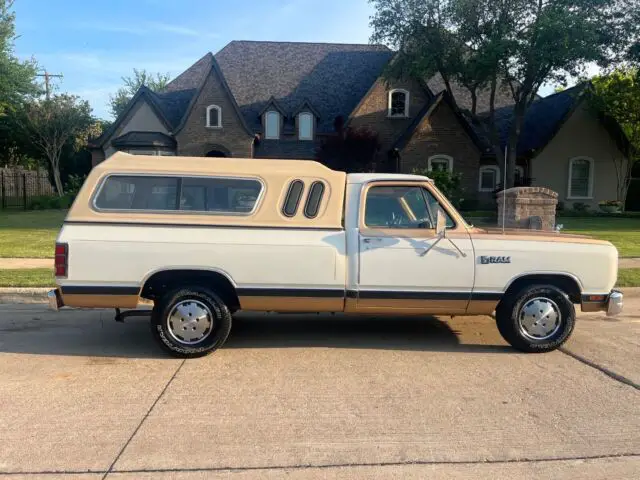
316	397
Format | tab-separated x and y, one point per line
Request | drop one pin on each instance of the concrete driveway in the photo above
316	397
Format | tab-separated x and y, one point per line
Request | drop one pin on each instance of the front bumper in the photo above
55	299
611	303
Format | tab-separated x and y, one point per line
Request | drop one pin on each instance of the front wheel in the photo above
537	319
190	322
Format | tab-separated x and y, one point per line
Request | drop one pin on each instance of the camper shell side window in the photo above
189	194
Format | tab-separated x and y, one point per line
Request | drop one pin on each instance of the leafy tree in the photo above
617	96
63	121
351	150
492	44
16	77
155	82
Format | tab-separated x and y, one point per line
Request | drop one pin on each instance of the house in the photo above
281	99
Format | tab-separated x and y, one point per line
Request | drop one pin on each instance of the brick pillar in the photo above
528	207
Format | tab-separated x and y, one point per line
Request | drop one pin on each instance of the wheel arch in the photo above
159	281
566	282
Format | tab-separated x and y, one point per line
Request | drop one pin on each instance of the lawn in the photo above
29	234
28	277
624	233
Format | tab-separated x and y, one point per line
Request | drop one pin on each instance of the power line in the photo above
47	76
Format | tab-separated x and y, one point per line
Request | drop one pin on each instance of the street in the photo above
310	396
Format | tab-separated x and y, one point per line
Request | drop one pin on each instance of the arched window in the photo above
580	178
489	178
214	116
442	163
398	103
305	126
272	124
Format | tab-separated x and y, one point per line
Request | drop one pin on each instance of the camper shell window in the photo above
147	193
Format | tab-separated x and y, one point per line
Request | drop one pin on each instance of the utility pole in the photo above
47	76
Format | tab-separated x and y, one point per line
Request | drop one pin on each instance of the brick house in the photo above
281	99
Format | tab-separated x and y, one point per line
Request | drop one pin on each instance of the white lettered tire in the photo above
190	321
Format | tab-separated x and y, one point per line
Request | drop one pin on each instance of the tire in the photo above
189	306
537	319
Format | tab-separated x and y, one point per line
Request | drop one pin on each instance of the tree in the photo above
56	123
350	150
16	77
492	44
617	96
155	82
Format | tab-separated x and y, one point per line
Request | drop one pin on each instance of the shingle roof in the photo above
543	119
144	139
331	77
286	149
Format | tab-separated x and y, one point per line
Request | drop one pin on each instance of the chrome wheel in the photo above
190	322
539	318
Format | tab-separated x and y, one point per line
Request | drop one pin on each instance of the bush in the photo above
53	202
581	207
74	183
447	182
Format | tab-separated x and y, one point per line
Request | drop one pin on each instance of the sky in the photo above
93	45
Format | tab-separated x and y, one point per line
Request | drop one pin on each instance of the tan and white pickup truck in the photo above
203	238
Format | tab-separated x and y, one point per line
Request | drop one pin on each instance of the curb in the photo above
39	294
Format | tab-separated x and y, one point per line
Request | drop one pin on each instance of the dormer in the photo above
306	118
272	116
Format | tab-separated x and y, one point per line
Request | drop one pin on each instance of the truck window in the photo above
138	193
292	200
401	207
219	195
314	199
199	194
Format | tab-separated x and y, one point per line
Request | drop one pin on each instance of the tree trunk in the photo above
514	137
55	168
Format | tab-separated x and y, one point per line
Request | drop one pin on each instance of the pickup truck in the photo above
202	238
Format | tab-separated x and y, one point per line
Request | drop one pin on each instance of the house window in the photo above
440	163
214	116
398	103
305	126
580	178
488	180
272	125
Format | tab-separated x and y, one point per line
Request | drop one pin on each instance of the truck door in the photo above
400	268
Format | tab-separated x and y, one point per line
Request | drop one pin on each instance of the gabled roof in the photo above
144	139
542	121
331	77
145	94
426	112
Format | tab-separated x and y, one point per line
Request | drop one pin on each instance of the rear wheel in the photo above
538	318
190	321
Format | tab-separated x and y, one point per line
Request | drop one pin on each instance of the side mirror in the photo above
441	223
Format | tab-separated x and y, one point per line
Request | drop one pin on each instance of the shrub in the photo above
449	183
74	183
581	207
53	202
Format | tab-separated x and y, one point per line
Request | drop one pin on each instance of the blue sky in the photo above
94	44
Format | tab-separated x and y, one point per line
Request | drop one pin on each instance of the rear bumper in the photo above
611	303
55	299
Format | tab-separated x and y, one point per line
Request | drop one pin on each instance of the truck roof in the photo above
357	178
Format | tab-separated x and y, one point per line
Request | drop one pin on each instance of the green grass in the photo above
629	277
30	277
624	233
29	234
